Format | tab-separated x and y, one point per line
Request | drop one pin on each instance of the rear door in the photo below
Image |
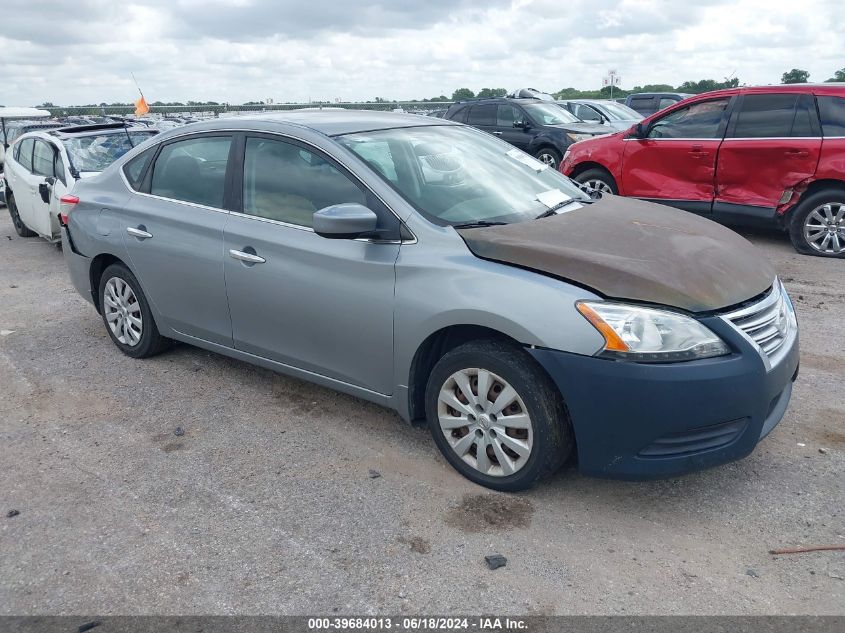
321	305
676	162
173	232
773	143
483	117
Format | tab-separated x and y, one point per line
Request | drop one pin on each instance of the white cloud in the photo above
360	49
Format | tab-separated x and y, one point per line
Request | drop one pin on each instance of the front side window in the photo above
59	168
25	153
587	113
193	170
772	116
700	120
288	183
507	115
43	158
665	102
455	175
832	112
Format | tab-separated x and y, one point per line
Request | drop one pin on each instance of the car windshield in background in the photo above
95	152
457	175
620	112
550	114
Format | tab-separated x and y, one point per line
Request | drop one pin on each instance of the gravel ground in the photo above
266	504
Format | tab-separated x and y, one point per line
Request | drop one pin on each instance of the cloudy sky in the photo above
296	50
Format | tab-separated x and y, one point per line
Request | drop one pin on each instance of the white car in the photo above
43	166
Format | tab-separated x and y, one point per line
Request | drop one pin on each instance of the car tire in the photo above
597	179
820	215
542	433
126	314
548	156
20	228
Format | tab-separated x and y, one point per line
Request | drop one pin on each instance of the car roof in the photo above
328	122
96	130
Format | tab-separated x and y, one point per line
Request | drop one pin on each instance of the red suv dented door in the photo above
772	146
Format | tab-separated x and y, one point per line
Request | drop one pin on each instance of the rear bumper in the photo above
78	266
641	421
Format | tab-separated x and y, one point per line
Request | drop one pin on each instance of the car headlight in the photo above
647	335
572	136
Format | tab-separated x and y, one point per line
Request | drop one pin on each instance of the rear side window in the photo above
25	153
193	170
135	169
773	116
482	115
460	116
43	159
832	111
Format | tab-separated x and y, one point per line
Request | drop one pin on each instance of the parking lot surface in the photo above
264	500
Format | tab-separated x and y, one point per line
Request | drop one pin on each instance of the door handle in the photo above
797	153
140	233
250	258
697	151
497	133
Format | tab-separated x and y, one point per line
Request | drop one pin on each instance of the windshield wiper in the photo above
477	224
553	211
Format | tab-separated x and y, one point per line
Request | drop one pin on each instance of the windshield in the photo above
550	114
457	175
95	152
619	111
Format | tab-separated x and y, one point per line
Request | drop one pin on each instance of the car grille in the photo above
769	324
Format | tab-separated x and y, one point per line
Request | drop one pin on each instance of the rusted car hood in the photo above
628	249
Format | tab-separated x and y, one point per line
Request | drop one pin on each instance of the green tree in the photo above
489	93
795	76
839	75
462	93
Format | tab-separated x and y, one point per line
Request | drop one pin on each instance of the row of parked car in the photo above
770	156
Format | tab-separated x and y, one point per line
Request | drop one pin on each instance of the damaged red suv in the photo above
770	155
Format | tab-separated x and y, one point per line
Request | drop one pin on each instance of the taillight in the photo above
67	203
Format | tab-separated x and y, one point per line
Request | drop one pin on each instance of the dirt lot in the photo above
265	504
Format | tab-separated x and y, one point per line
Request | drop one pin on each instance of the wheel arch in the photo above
95	273
580	168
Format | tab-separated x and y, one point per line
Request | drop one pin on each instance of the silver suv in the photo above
434	269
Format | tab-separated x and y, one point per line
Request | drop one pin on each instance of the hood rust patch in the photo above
629	249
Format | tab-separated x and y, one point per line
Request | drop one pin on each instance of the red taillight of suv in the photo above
67	203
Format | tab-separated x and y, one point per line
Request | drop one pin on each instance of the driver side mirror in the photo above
522	125
640	130
345	221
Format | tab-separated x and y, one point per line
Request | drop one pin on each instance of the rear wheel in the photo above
127	315
20	228
548	156
817	226
597	179
496	416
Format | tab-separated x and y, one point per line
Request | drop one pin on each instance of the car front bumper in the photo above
642	421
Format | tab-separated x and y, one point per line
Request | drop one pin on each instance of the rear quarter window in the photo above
832	113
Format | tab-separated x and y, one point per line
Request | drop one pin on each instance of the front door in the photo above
173	233
508	115
773	143
321	305
676	162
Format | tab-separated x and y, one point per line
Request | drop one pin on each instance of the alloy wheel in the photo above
123	312
598	185
547	159
824	228
485	422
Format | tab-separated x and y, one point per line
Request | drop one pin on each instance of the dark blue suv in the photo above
542	128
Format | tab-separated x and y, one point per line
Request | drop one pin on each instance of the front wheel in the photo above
548	156
497	418
817	226
597	180
20	228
